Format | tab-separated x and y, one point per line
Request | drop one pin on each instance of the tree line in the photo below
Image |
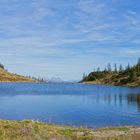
131	72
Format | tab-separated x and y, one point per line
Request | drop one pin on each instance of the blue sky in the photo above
65	38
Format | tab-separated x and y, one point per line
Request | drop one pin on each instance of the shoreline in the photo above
20	82
94	83
34	130
89	82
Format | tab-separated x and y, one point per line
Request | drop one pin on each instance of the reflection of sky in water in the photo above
73	104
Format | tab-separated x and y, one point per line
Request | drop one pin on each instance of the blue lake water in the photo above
70	104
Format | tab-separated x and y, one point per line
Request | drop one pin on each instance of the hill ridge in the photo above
6	76
129	76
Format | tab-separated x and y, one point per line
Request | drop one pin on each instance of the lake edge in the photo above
37	130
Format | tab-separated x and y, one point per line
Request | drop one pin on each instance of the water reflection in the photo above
131	99
134	99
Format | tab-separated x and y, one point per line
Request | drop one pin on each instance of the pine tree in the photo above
115	68
138	63
2	66
120	68
128	67
133	75
84	76
98	69
138	67
105	70
109	68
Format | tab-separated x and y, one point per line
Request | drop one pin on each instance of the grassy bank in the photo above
6	76
30	130
110	84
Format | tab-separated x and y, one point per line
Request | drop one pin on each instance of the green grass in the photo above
31	130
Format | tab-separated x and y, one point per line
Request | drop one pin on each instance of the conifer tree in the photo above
138	63
120	68
84	76
98	69
2	66
109	68
128	67
115	68
133	75
105	70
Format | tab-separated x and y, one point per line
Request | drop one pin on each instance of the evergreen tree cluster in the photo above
2	66
131	73
38	79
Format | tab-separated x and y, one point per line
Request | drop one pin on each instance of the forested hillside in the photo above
128	76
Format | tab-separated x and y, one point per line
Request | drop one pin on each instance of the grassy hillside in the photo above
30	130
6	76
129	76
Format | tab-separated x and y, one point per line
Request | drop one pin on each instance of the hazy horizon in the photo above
59	38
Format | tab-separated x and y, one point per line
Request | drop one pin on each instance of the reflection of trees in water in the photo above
114	98
134	99
131	99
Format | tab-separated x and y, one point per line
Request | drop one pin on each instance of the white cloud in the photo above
42	9
91	7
